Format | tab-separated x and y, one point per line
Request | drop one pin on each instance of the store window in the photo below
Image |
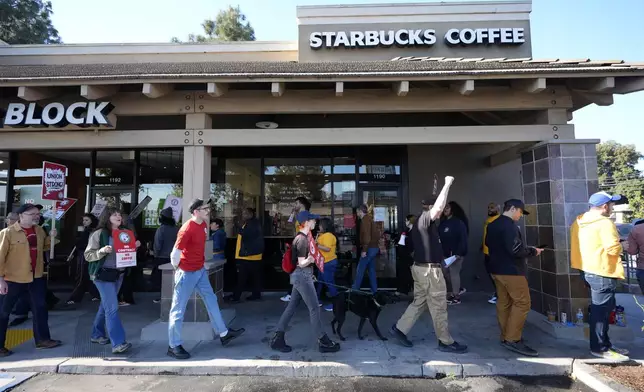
236	184
114	168
380	166
4	179
161	178
344	203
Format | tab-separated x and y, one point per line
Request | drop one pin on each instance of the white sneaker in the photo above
610	355
492	300
462	291
286	298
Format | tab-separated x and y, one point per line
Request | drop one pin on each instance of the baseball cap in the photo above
516	203
304	216
600	198
28	206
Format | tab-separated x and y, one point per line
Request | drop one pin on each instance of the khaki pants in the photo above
429	292
512	305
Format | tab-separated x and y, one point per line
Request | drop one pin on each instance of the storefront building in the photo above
369	105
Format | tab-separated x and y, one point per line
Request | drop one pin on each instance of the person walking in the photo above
508	255
327	243
492	214
430	291
83	283
404	259
164	239
248	256
453	231
301	204
596	251
303	289
635	245
369	236
107	278
188	258
22	248
218	238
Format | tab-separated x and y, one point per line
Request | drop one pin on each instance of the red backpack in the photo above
287	259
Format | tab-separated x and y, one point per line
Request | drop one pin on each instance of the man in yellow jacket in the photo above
596	251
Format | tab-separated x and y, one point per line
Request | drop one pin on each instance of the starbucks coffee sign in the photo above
56	114
416	38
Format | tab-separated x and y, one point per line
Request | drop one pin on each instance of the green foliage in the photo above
229	25
617	173
27	22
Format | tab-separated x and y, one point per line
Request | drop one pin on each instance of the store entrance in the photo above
385	204
118	197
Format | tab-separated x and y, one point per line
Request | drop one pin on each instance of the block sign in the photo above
124	248
61	208
53	181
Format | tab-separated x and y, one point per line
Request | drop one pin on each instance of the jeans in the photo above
367	262
328	276
108	313
602	296
36	291
640	279
303	289
185	283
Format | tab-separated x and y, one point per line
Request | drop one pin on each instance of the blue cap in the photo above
600	198
304	216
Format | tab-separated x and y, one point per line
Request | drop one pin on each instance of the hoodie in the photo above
595	246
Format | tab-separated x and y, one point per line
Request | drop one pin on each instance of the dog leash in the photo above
349	290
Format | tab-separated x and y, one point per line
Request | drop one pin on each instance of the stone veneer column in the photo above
558	178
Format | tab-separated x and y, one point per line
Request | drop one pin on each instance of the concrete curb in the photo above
518	367
595	380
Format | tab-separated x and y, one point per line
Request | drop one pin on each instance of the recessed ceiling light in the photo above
1	161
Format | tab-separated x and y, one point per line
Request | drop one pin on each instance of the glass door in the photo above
120	198
385	205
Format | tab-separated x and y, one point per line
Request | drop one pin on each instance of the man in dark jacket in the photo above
508	255
248	253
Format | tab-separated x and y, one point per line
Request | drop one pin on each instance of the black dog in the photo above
365	305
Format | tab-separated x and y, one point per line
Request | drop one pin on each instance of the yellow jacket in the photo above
15	258
595	246
489	220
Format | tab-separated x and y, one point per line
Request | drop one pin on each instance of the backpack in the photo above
287	259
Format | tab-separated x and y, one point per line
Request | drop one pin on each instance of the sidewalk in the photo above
473	323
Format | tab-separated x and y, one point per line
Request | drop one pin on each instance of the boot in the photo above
278	343
327	345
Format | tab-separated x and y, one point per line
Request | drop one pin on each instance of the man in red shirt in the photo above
188	258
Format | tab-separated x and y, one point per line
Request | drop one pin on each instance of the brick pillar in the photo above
557	180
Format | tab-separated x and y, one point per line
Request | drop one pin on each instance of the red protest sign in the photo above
53	181
61	208
124	248
315	253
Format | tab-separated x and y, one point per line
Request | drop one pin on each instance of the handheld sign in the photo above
53	188
315	253
124	248
98	208
61	209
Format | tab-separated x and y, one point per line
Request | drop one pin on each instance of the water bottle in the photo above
580	317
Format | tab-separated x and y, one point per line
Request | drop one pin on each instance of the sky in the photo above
570	29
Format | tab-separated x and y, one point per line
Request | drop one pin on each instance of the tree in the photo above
616	167
229	25
27	22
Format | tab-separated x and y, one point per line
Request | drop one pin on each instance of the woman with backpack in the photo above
301	276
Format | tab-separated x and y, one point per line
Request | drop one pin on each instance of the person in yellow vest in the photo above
327	243
493	212
248	255
301	204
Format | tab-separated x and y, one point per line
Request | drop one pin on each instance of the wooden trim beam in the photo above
599	99
603	84
92	91
217	89
277	89
532	86
401	88
465	87
339	89
627	86
157	90
36	93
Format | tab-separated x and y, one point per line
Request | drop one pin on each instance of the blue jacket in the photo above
164	240
453	235
219	244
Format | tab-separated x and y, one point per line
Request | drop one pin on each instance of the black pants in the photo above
155	276
36	291
23	306
487	268
83	283
404	280
248	270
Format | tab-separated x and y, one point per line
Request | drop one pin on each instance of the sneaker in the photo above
4	352
622	351
178	353
96	299
492	300
521	348
18	321
454	301
47	344
454	348
401	337
231	335
123	303
326	345
328	308
462	291
156	301
121	348
70	303
286	298
611	355
101	341
278	343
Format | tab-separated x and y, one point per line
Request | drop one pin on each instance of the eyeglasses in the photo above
34	214
204	209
